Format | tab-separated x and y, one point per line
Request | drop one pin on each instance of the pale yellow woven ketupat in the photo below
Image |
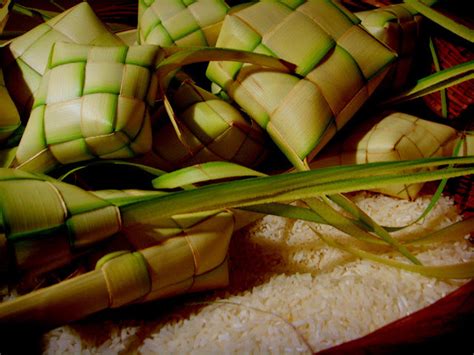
396	136
339	65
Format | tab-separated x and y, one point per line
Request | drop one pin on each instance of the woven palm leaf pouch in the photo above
339	65
93	102
25	58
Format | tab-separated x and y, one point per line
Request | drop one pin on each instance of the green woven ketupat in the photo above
182	23
45	224
25	58
211	130
59	221
339	64
93	102
9	117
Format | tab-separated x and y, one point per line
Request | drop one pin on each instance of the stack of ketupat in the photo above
289	290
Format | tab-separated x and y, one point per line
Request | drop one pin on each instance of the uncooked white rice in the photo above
289	293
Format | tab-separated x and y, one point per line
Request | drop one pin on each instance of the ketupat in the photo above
42	214
339	65
66	217
92	102
210	130
194	247
179	265
395	136
25	58
181	23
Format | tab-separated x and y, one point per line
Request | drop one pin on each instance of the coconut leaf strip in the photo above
287	211
188	55
122	198
31	11
302	213
442	20
451	271
439	190
365	219
454	231
442	92
346	225
437	81
280	188
205	172
59	6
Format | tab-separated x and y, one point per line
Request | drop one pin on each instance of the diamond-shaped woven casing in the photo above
211	129
9	117
66	218
339	66
93	102
398	26
397	136
25	58
184	23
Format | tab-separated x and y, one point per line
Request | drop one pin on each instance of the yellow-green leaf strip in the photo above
293	186
445	78
454	231
346	225
205	172
442	20
453	271
442	92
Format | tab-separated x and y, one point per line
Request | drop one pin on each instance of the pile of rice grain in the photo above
289	292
